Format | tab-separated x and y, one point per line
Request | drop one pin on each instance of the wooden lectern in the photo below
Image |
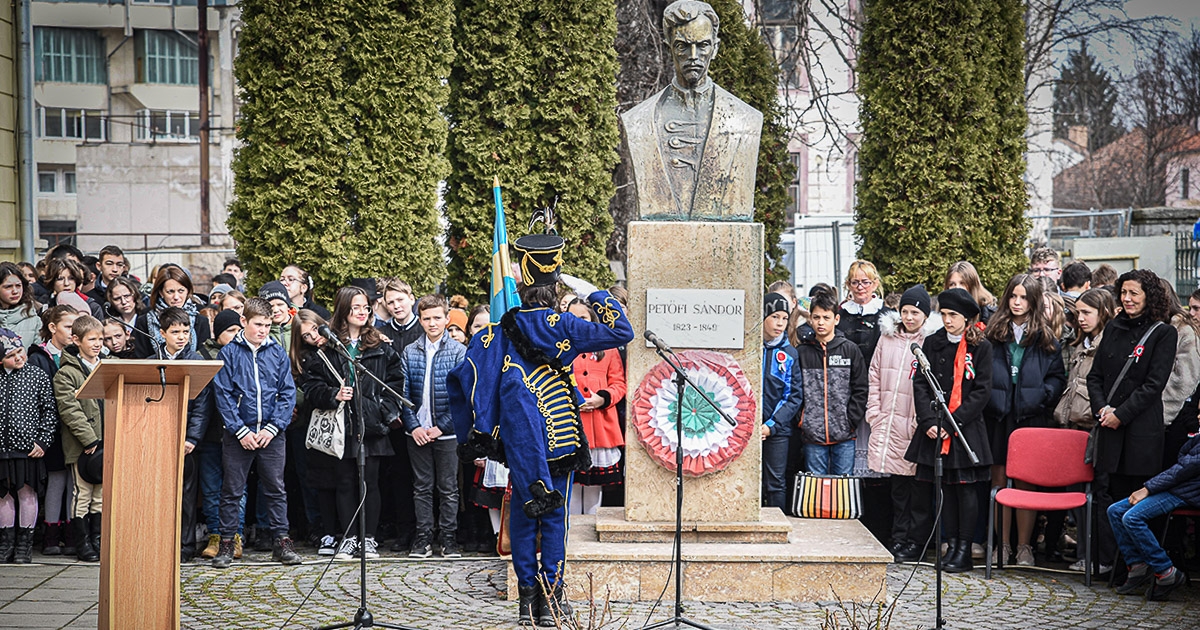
143	484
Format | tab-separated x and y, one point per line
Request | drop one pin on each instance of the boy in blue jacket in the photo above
1148	563
255	394
783	396
432	445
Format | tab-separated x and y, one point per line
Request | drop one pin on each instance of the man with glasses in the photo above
1045	262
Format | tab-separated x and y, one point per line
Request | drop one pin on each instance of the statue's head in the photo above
690	28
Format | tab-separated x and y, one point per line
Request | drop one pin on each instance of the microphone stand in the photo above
681	382
939	405
363	617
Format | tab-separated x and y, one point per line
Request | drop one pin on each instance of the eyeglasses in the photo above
861	283
1043	270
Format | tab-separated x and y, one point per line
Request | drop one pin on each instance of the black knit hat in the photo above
540	258
774	303
224	321
274	290
916	296
959	301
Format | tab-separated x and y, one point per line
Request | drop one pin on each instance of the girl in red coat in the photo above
600	377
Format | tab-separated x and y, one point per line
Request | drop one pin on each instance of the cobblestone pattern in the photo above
467	594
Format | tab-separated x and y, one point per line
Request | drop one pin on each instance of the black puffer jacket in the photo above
1135	447
861	328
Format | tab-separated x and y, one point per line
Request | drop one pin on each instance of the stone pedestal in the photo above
695	255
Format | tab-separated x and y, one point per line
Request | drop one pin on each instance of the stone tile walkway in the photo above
466	594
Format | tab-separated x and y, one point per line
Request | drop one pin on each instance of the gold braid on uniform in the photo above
581	459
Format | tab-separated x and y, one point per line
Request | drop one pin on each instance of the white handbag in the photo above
327	428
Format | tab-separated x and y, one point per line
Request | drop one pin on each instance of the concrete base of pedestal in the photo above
822	561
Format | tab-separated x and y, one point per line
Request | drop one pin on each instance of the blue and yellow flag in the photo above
504	285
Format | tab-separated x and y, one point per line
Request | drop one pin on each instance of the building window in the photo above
167	57
66	55
79	124
1184	176
782	22
56	232
155	125
47	181
53	182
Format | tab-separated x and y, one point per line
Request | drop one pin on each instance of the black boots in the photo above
224	555
93	521
555	609
83	540
529	603
958	557
8	542
23	552
52	539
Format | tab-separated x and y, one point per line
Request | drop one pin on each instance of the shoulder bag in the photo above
327	429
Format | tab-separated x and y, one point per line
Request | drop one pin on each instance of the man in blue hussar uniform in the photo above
514	400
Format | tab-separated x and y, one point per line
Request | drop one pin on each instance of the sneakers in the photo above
214	545
450	547
285	551
1136	581
1025	556
422	546
224	555
237	546
327	547
1079	566
977	551
348	550
1160	590
371	548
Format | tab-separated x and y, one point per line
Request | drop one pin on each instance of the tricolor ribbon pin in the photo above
969	367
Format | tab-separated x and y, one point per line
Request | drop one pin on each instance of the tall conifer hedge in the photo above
342	139
943	143
532	100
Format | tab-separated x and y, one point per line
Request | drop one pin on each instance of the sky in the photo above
1121	55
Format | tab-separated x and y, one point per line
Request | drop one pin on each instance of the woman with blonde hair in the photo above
859	315
963	275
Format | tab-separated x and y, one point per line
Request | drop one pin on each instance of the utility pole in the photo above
202	26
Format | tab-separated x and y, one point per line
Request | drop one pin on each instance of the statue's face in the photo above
693	46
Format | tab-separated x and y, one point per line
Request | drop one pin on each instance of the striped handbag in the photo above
820	496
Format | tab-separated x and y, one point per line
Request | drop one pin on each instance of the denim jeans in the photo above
236	462
208	459
1130	524
830	459
436	462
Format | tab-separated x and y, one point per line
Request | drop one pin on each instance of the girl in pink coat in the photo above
892	420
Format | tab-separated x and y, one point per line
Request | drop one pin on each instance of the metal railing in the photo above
141	249
1187	265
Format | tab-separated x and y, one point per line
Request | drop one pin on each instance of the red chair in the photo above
1046	458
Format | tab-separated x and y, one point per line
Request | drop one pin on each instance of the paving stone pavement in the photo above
467	594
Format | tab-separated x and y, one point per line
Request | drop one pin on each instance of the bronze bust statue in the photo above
693	146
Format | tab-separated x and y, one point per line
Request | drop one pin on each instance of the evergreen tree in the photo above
1085	95
942	154
532	100
341	139
745	66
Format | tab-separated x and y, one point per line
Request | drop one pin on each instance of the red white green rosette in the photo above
709	443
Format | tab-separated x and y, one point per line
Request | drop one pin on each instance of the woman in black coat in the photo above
961	360
336	480
1130	440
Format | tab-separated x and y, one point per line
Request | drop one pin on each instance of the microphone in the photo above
127	326
921	358
330	336
658	343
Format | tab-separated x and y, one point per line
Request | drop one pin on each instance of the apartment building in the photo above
117	122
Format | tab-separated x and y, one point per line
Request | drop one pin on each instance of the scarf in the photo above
188	307
960	369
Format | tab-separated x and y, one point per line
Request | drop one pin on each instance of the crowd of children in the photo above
245	449
842	395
